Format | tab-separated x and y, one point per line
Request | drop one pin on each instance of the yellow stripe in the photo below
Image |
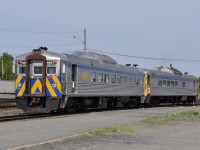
22	89
55	79
49	87
36	85
18	81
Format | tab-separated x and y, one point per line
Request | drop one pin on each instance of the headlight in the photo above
54	85
19	85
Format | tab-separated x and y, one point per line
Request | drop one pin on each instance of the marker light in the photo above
54	62
19	62
51	76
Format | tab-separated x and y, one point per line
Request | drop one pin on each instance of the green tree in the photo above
198	87
6	61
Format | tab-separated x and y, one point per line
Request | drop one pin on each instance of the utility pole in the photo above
2	69
84	42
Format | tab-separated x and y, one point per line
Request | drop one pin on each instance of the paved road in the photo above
21	133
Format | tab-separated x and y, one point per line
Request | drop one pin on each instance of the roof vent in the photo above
175	71
135	65
39	50
43	48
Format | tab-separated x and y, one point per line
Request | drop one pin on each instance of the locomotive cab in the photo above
38	82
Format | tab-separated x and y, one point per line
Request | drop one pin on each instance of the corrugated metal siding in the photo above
89	89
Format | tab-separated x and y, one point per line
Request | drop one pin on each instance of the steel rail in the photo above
24	117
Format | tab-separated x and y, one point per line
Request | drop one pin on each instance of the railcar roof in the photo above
48	54
167	71
96	56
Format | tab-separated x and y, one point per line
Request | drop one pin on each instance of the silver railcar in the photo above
48	81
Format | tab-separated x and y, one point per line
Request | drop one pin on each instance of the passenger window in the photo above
160	83
51	70
106	78
99	77
37	70
183	84
113	78
123	80
176	83
22	70
128	80
133	81
93	77
164	83
168	83
172	83
118	79
138	81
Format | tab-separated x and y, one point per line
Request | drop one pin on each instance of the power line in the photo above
40	32
149	58
123	55
53	45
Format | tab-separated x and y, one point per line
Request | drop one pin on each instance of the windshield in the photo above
22	70
51	70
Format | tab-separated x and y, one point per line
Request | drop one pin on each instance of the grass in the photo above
113	129
174	117
124	129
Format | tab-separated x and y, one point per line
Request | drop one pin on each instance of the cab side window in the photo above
93	77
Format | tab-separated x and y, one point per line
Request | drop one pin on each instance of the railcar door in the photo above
36	73
36	77
74	78
196	85
147	90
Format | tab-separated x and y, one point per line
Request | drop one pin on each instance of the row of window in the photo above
113	78
170	83
38	70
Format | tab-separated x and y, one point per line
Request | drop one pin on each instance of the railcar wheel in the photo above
71	107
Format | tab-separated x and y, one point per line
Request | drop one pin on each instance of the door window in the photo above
37	70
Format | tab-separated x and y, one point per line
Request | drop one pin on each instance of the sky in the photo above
165	29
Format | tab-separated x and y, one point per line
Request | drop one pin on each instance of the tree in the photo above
6	60
198	87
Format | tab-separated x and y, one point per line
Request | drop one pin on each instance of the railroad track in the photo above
24	117
32	116
7	100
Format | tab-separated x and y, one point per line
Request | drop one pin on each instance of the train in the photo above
47	81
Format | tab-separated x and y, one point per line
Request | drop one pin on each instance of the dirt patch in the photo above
174	135
10	111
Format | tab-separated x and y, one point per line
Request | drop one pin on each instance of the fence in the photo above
7	98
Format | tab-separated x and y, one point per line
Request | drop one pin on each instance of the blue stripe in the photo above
23	80
17	91
24	92
110	71
33	82
59	78
47	92
133	74
37	90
